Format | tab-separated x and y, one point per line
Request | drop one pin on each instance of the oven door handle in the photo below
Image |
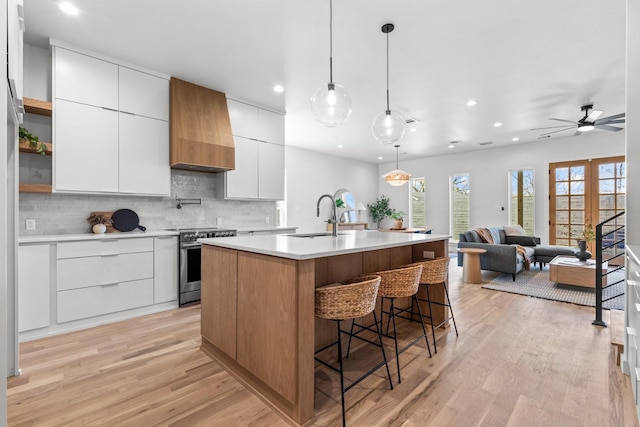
190	245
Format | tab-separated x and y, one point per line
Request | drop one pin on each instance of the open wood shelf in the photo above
25	147
35	106
35	188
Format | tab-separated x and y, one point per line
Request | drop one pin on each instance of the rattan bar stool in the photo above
435	272
349	300
398	283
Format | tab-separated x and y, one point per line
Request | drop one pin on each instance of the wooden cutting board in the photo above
110	228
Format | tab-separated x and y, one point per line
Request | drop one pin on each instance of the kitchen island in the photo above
258	303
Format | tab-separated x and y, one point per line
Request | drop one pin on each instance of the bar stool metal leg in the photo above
446	292
344	419
424	331
433	330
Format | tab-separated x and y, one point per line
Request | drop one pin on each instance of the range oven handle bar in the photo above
189	245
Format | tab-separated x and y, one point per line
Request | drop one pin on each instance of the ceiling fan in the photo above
589	122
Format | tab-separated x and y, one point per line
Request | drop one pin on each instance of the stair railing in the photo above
600	247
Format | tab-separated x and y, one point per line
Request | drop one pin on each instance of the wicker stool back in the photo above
400	282
354	298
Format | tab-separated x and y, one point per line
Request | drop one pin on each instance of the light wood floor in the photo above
518	361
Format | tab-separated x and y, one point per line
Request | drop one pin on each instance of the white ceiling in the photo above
523	61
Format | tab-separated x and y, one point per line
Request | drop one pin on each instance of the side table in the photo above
471	265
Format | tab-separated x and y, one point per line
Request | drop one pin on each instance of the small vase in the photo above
582	254
99	228
398	224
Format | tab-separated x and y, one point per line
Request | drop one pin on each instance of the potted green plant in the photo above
379	209
34	141
98	223
399	217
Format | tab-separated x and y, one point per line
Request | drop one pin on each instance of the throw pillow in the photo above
514	230
495	233
521	240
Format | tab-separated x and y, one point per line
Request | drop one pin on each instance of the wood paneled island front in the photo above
258	303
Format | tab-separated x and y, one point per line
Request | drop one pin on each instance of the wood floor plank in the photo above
518	361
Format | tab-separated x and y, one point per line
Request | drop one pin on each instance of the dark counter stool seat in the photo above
349	300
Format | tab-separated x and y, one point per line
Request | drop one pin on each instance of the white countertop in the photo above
90	236
346	242
266	228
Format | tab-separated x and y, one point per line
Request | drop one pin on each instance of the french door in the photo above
586	192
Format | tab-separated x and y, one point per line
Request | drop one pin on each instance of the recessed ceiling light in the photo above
497	124
69	8
471	102
413	130
278	89
452	146
340	145
515	139
379	157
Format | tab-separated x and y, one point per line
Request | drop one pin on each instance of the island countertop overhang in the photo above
302	248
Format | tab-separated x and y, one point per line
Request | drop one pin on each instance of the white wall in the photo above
311	174
489	171
633	118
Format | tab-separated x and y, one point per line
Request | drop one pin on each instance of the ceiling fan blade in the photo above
609	122
593	115
556	131
614	117
553	127
607	127
563	120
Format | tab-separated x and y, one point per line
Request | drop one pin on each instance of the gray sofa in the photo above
503	256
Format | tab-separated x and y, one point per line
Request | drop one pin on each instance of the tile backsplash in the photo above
67	213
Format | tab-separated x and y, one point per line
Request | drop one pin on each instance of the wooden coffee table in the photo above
571	271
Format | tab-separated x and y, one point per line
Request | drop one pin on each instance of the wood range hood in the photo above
201	137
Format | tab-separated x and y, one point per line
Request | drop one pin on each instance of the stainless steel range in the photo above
189	260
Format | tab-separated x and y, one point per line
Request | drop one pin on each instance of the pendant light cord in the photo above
388	110
330	41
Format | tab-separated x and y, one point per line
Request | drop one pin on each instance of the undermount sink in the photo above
312	235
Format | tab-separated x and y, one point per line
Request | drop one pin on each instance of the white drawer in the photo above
97	300
89	248
74	273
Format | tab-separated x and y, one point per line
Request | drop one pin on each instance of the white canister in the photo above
99	228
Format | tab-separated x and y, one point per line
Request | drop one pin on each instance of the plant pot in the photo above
398	224
99	228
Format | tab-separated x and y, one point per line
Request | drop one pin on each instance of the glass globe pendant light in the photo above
331	104
397	177
388	127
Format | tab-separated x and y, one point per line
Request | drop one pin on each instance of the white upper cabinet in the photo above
270	127
15	30
84	79
111	126
144	155
143	94
271	171
259	143
244	119
86	148
242	183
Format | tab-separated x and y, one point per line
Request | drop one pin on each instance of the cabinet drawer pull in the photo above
105	285
109	109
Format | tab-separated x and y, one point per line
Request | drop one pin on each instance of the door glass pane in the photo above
562	202
607	170
577	202
577	217
563	242
562	217
621	186
620	201
562	231
577	187
562	174
606	214
607	202
607	186
577	173
577	231
621	169
562	188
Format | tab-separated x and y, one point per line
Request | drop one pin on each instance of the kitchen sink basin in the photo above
312	235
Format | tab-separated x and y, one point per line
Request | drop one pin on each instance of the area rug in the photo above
535	283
